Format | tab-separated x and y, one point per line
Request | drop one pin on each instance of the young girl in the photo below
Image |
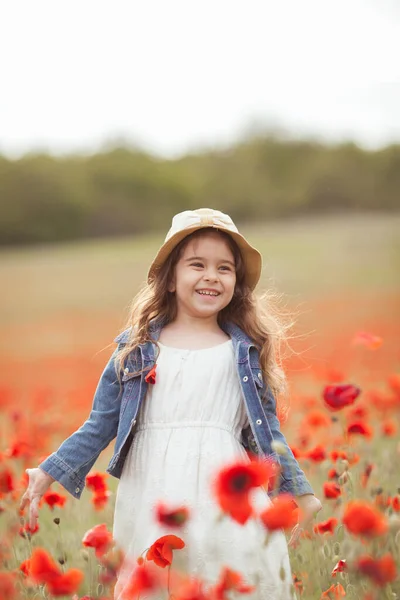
190	387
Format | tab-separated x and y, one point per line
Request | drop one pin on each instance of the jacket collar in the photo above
156	325
230	329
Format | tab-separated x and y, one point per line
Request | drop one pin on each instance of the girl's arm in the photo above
293	479
70	464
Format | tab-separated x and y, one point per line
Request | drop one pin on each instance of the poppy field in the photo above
60	311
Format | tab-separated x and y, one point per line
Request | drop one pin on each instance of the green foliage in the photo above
125	191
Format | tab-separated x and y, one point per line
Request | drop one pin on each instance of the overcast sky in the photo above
173	75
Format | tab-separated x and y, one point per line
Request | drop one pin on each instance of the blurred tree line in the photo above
123	191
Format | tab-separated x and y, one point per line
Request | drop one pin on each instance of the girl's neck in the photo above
192	333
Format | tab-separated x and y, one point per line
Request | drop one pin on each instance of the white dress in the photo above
189	426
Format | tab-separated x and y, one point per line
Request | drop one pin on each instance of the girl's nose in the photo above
211	275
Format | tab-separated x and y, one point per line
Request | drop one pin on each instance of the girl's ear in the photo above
171	286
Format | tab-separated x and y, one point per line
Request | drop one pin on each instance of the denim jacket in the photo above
115	411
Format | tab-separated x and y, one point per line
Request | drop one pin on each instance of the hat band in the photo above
206	221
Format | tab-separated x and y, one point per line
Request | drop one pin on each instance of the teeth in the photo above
206	293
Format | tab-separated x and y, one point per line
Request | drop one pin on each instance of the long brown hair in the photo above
258	317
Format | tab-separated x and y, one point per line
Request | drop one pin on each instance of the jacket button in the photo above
258	421
133	422
260	375
77	490
126	370
245	378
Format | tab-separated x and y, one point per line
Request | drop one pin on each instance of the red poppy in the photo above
369	340
357	412
24	567
100	499
333	474
389	428
317	454
366	475
332	489
151	375
297	453
7	484
230	580
316	419
327	526
396	503
394	382
335	454
360	428
380	570
26	530
53	499
171	517
282	514
43	569
234	482
161	550
98	538
95	481
340	566
362	518
192	589
337	397
144	578
334	592
7	586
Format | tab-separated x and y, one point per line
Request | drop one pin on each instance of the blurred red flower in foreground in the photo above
233	484
192	589
144	578
98	538
337	397
230	580
7	586
161	551
171	517
362	518
372	342
331	489
282	514
380	570
53	499
43	569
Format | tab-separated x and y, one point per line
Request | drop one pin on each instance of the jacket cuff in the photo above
297	487
63	474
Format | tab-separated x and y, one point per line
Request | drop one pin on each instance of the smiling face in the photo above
204	277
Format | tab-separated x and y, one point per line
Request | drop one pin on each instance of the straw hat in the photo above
185	223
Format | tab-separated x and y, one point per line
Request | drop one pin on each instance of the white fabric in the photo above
202	216
189	427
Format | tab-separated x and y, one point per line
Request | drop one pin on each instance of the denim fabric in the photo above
115	409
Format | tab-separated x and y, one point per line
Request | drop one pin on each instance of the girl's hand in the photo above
39	482
309	506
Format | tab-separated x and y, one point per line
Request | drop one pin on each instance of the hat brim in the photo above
251	257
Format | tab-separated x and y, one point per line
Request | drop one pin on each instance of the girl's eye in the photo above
226	268
197	264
